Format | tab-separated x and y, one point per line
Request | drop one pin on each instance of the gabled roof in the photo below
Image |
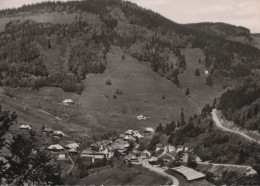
72	145
149	129
25	127
56	146
68	101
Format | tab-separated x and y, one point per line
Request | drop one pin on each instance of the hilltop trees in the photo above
24	165
197	72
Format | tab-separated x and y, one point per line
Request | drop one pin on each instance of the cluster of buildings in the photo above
109	148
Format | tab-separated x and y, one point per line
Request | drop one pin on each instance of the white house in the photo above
206	72
25	127
72	146
68	102
55	148
141	117
58	133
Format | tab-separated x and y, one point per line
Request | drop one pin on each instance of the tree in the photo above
182	117
108	82
199	60
159	128
211	125
7	119
209	80
191	162
187	92
28	166
24	164
197	72
49	44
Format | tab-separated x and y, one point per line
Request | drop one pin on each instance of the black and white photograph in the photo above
130	92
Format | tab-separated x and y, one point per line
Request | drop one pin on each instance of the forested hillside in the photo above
35	53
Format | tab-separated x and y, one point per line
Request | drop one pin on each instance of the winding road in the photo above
221	127
159	170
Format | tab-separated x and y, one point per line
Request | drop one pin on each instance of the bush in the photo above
108	82
119	91
163	97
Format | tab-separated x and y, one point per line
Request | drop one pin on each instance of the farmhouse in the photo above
25	127
189	173
148	130
55	148
72	146
141	117
131	158
73	152
68	102
58	133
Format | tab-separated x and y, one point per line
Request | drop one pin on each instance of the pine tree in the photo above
197	72
187	92
159	128
182	117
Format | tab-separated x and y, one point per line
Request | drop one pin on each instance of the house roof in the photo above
68	101
72	145
25	127
130	157
189	173
91	152
72	150
59	133
149	129
56	146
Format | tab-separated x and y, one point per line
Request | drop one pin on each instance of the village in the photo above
127	148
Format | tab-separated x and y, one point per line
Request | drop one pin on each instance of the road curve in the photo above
70	167
160	171
221	127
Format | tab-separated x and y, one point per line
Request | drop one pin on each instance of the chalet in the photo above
170	148
68	102
138	135
62	157
129	138
25	127
92	154
55	148
58	133
72	146
73	152
148	130
131	158
159	147
141	117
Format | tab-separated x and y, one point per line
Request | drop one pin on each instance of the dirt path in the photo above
221	127
70	167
